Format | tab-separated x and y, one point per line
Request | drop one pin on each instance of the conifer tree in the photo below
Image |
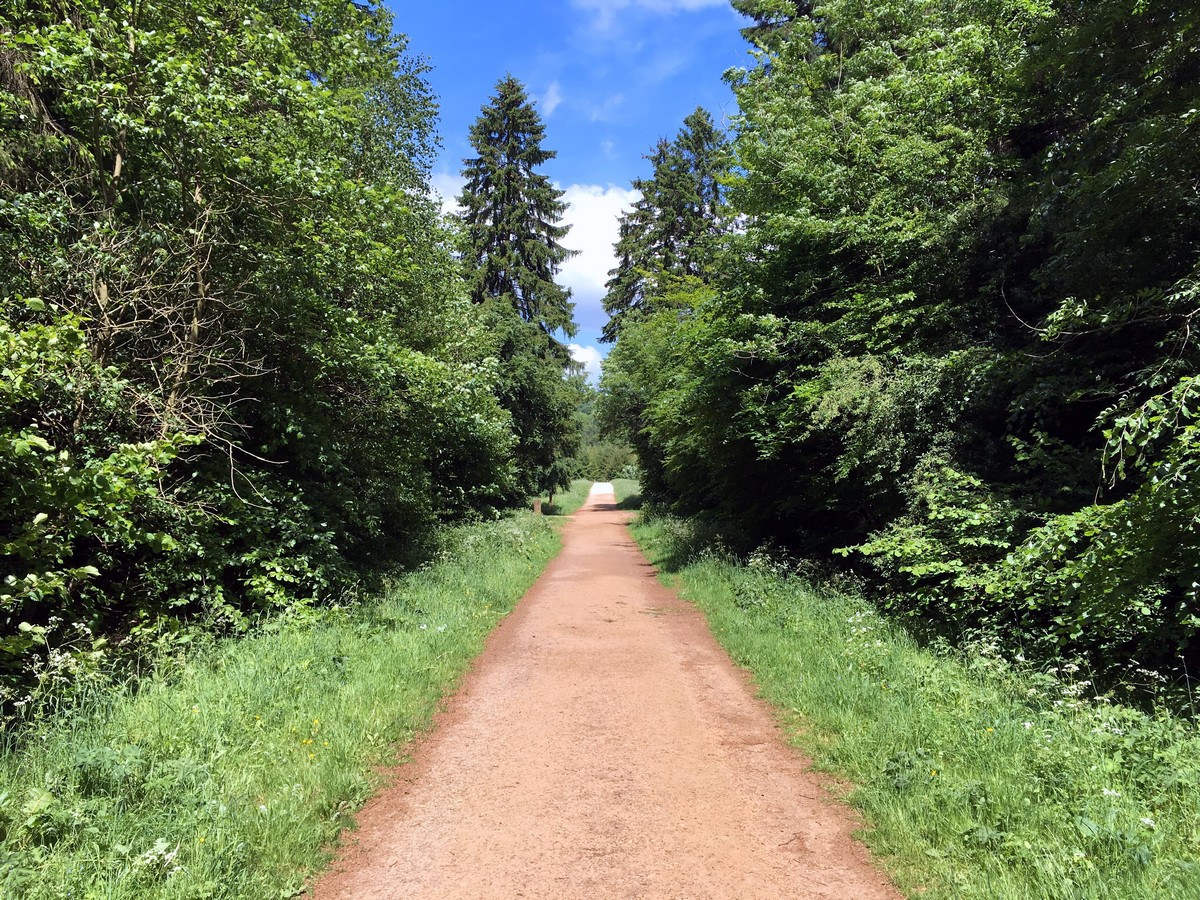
773	19
511	217
669	230
512	213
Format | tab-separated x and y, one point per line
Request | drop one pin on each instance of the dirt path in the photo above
604	746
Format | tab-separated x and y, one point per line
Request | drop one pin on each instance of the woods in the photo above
243	371
949	340
901	355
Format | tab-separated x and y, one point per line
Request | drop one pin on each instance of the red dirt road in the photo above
604	746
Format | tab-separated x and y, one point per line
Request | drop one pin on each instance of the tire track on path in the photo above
604	746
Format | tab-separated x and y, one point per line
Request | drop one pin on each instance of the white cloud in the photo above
591	359
592	213
606	10
448	187
606	111
550	100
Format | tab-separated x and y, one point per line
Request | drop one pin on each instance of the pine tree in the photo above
512	213
670	229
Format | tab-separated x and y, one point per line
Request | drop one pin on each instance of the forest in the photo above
901	373
248	366
924	318
921	316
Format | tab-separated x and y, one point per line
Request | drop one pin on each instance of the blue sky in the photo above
610	78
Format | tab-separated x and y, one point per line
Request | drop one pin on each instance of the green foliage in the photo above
672	229
597	459
247	368
511	213
953	328
512	254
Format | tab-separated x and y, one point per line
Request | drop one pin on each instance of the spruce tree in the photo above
512	213
670	229
773	19
512	232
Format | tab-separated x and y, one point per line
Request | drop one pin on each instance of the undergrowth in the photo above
230	773
979	776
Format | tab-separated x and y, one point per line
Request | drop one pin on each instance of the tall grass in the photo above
978	777
230	774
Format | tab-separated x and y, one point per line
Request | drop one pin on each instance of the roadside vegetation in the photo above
979	775
229	772
248	366
567	502
926	315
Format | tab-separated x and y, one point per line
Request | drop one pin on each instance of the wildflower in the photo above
990	730
1111	793
1147	821
1027	725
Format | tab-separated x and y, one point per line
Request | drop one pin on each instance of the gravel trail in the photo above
604	746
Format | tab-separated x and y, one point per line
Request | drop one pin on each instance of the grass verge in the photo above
230	774
978	777
628	493
568	501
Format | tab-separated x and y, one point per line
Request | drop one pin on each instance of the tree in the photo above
773	19
953	335
244	363
511	215
670	231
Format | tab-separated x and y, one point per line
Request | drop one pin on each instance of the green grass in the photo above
567	502
231	773
977	777
629	493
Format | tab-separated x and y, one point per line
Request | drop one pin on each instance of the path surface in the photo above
604	746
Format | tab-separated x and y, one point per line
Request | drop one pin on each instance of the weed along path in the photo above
604	746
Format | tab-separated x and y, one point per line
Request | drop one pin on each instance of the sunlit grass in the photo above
231	774
567	502
978	777
628	493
